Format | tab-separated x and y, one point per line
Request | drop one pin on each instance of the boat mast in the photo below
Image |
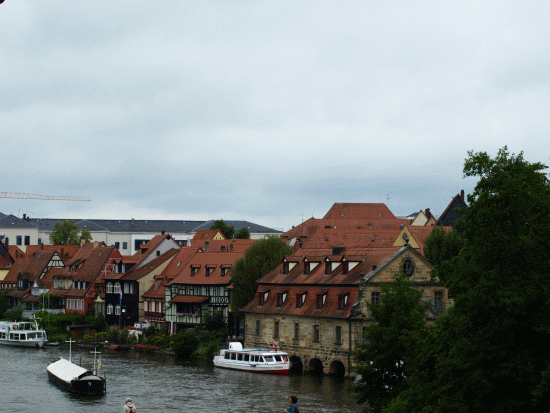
70	348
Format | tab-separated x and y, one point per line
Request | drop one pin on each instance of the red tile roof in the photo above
207	234
189	299
359	211
202	260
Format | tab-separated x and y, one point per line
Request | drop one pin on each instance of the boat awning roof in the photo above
66	370
189	299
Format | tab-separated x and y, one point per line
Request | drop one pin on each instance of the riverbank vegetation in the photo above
490	352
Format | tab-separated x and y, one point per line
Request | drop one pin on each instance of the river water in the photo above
159	383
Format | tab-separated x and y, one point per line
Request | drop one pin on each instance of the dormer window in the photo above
194	271
342	301
307	267
300	299
345	267
408	267
224	271
209	271
286	268
328	267
262	297
321	298
281	297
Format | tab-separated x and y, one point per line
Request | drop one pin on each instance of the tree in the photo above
228	230
382	362
441	245
260	258
490	353
243	233
4	304
68	233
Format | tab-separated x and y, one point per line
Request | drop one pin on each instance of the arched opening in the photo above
315	366
296	365
337	368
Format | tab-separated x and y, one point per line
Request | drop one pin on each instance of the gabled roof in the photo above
90	260
359	211
30	267
157	289
407	248
141	272
66	252
148	248
369	237
208	234
252	227
450	215
203	260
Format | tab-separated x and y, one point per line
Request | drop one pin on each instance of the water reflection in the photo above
161	383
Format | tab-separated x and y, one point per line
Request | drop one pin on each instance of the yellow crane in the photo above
22	195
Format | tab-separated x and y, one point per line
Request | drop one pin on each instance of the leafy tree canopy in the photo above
243	233
260	258
441	245
228	230
4	304
490	353
68	233
382	362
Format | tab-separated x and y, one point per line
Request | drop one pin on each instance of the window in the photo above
117	310
321	298
345	267
109	288
117	245
262	297
117	288
132	288
307	267
27	240
209	271
39	241
224	271
296	331
124	245
316	333
146	306
281	297
275	329
438	300
257	327
375	297
110	309
55	284
223	249
338	335
408	267
342	301
126	288
19	240
328	268
286	268
300	298
193	271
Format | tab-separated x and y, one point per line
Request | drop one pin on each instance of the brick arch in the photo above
315	366
296	365
337	368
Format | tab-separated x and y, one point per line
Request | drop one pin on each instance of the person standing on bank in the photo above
129	406
293	406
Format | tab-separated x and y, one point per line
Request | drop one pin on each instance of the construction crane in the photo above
22	195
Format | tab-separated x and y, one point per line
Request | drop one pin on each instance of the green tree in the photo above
185	343
14	314
383	360
228	230
243	233
4	304
442	245
490	353
68	233
260	258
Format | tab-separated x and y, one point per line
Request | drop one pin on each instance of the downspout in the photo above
349	344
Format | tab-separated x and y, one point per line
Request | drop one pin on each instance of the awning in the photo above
190	299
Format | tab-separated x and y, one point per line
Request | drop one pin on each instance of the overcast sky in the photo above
264	111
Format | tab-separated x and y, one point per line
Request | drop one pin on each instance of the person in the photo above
129	406
293	406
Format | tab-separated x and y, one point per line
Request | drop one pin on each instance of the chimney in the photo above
24	217
82	242
7	244
428	213
95	245
462	194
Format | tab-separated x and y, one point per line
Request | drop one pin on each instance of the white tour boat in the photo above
253	359
22	334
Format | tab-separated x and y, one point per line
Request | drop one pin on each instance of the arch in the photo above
315	366
296	365
337	368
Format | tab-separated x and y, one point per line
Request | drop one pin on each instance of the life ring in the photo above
15	326
90	383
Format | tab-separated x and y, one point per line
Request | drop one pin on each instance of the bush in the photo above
184	344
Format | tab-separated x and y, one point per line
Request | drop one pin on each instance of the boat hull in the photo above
84	385
258	368
23	343
254	360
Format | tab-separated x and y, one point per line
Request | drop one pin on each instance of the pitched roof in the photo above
359	211
66	252
207	234
203	260
450	215
11	221
149	267
30	267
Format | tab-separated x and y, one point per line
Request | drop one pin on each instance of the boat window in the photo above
227	356
233	356
246	357
278	358
239	356
268	359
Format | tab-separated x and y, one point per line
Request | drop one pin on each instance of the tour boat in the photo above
22	334
253	359
75	378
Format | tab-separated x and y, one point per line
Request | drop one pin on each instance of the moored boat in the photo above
76	379
22	334
253	359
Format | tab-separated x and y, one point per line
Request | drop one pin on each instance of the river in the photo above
159	383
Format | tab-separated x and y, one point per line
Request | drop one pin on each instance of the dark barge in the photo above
75	379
